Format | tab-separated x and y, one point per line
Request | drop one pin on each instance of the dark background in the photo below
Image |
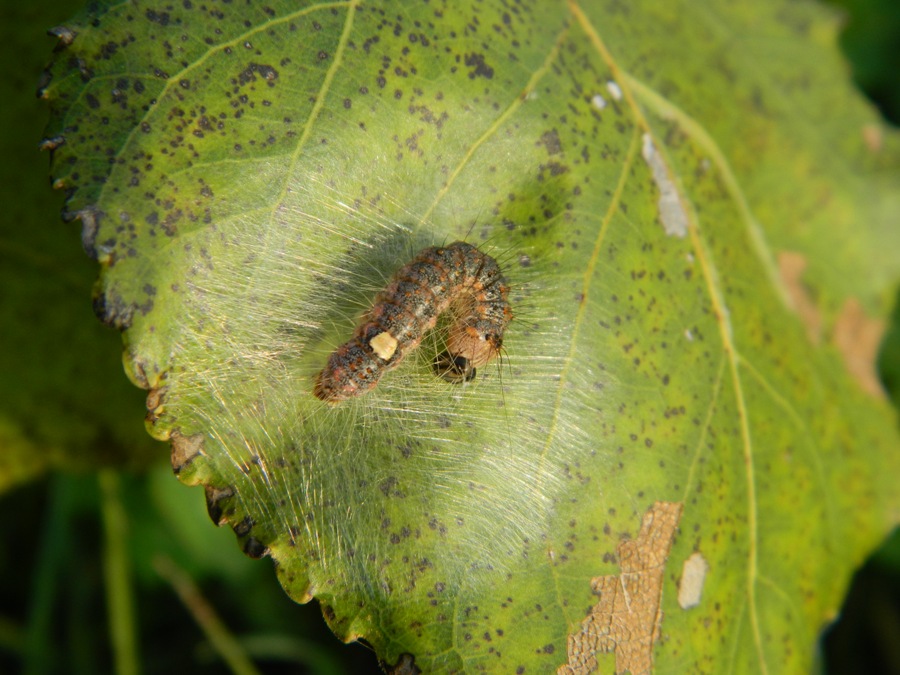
53	614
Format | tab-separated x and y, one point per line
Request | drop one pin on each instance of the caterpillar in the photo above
457	277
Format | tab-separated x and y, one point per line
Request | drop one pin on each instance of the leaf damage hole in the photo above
626	619
671	211
693	576
614	90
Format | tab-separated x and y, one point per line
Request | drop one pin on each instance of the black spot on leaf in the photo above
479	67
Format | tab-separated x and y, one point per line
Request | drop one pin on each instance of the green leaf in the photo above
695	213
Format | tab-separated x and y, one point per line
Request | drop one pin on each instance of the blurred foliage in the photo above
52	611
866	638
870	40
56	549
63	399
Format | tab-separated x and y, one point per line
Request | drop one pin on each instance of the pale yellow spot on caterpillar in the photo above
384	345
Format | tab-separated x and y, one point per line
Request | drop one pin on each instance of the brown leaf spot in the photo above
627	618
184	449
857	337
791	266
155	400
873	137
216	499
406	665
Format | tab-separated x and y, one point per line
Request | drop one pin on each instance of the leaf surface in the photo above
684	452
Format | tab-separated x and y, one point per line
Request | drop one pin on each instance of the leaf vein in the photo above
614	203
498	122
173	80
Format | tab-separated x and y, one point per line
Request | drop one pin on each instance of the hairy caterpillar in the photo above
457	277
